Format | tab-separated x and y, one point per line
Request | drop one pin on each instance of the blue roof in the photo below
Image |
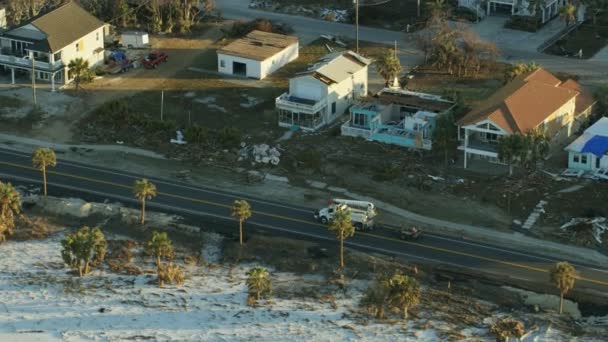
597	145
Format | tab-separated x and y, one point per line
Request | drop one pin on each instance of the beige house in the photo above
537	101
47	43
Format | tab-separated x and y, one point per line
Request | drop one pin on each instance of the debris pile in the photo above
179	138
340	16
261	153
584	228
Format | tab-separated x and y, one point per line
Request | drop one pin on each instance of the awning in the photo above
597	145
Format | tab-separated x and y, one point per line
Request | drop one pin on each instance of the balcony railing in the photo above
288	102
27	63
351	131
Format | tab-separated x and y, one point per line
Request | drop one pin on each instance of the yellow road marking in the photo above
440	249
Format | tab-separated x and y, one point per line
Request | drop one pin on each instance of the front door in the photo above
597	162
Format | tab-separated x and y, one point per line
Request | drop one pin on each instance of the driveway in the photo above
514	45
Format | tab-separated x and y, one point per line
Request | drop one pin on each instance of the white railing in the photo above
350	131
283	102
27	63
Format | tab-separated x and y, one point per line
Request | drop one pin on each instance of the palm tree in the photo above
342	225
563	276
538	145
389	66
568	14
144	190
242	211
10	205
403	292
43	157
159	246
444	135
258	281
437	8
79	68
510	148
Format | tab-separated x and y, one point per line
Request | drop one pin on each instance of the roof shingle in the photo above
62	26
522	104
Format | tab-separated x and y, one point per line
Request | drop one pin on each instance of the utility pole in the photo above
33	78
418	8
162	104
357	22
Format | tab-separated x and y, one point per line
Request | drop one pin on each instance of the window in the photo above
77	47
575	158
97	36
584	159
359	119
333	108
222	63
491	137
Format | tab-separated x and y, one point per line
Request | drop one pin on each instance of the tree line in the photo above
153	15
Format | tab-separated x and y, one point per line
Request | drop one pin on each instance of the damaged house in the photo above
395	116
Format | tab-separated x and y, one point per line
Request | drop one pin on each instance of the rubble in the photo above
597	225
179	139
261	153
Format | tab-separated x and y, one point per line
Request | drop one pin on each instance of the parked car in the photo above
154	58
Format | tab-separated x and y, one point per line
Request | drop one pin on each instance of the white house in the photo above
546	11
52	40
257	55
589	152
325	92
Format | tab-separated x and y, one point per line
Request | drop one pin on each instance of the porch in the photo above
299	113
480	141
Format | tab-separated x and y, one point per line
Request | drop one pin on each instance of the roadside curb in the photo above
10	140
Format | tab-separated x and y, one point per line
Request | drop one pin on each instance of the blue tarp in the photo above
597	145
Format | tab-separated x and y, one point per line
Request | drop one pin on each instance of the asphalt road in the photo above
592	71
209	205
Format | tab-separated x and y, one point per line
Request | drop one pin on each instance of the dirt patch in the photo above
587	38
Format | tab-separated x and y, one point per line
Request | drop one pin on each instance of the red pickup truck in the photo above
154	58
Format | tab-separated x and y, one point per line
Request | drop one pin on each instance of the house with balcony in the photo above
319	96
537	101
589	152
396	116
47	43
546	10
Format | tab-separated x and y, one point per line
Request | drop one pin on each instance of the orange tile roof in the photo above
584	100
522	104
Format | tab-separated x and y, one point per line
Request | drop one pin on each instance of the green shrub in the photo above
99	71
229	137
196	134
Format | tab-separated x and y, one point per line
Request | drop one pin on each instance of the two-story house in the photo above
537	101
545	10
47	43
323	93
